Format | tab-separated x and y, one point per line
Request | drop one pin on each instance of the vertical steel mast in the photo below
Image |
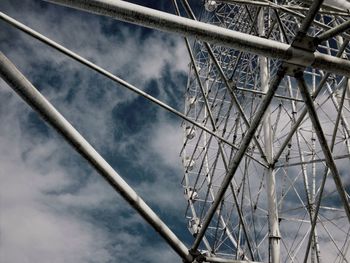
274	232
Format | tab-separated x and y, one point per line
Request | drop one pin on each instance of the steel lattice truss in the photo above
266	125
300	167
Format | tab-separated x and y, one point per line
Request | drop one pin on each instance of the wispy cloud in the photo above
54	207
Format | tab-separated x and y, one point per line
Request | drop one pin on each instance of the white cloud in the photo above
167	141
33	229
30	233
39	192
46	193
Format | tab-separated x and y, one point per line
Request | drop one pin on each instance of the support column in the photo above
274	232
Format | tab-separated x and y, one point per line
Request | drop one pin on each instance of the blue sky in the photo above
54	207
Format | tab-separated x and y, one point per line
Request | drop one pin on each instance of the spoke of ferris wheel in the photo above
200	84
220	147
281	26
317	208
272	205
224	226
221	220
334	31
239	154
109	75
191	205
151	18
252	21
337	157
224	78
289	10
38	102
334	242
263	93
239	210
309	199
221	151
309	18
323	142
344	121
304	112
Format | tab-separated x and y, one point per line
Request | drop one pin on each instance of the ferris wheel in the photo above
281	203
266	142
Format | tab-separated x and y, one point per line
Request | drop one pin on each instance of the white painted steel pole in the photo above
151	18
323	143
274	232
334	31
239	154
37	101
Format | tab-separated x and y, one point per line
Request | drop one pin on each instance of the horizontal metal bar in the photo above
339	157
334	31
148	17
38	102
263	94
114	78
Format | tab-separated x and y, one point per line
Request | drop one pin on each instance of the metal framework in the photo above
267	105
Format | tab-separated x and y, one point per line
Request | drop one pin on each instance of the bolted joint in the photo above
232	83
303	50
198	257
275	237
305	42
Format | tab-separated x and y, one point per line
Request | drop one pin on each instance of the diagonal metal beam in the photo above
220	145
148	17
309	18
334	31
239	155
323	141
114	78
337	157
38	102
226	81
304	112
292	10
324	177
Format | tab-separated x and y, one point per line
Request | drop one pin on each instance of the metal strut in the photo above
38	102
151	18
